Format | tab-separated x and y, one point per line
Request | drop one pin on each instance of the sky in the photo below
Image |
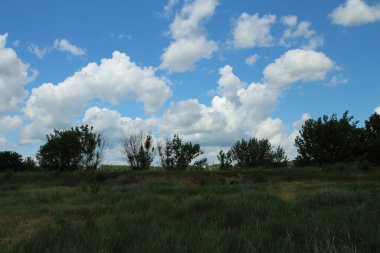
211	71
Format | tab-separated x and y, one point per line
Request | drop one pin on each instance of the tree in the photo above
254	152
372	138
77	148
225	159
92	145
10	160
139	150
176	155
328	140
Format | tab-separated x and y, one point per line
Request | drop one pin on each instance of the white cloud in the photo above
355	12
290	20
298	65
301	33
243	110
251	31
336	80
39	52
189	38
65	46
298	124
251	59
3	141
10	122
111	124
182	54
54	106
377	110
168	8
14	74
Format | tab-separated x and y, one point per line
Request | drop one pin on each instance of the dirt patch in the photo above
288	191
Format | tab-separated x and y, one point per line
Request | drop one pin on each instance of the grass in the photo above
263	210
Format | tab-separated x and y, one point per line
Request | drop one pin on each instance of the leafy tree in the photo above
92	147
372	138
10	160
176	155
225	159
279	157
139	150
328	140
254	152
72	149
29	163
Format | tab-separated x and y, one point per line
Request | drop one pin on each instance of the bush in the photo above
254	152
10	160
225	159
176	155
139	150
72	149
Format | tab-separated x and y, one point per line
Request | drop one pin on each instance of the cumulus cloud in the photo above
189	43
298	65
299	33
112	124
65	46
243	110
10	122
251	59
14	74
355	12
54	106
251	31
182	54
377	109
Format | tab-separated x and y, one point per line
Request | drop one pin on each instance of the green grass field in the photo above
264	210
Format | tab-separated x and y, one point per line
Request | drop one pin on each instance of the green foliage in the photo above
30	164
10	160
139	150
254	152
372	138
328	140
72	149
176	155
225	159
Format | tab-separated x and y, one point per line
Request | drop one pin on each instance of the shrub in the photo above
139	150
10	160
72	149
175	155
254	152
225	159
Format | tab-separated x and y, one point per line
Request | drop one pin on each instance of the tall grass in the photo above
188	212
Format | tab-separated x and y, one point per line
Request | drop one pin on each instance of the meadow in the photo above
326	209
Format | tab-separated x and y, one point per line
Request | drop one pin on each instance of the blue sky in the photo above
212	71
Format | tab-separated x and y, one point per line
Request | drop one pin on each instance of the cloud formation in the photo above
298	65
65	46
299	33
243	110
355	12
252	31
114	79
189	43
62	45
14	75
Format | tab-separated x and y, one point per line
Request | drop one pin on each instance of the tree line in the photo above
326	140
